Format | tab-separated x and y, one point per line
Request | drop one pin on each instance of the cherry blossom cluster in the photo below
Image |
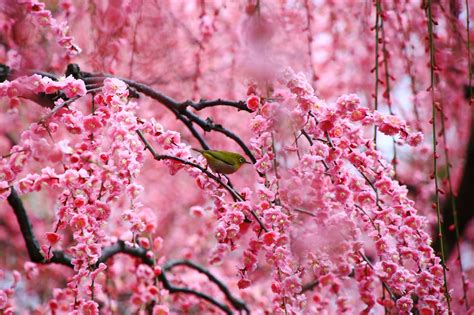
347	192
29	86
44	18
34	144
98	168
320	177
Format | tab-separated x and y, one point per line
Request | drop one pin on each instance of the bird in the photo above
223	162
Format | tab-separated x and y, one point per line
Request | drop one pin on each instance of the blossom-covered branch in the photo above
59	257
180	109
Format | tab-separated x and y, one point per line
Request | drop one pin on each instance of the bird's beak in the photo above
247	162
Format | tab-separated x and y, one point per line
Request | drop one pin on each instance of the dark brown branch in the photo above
194	132
174	289
32	245
120	247
236	303
240	105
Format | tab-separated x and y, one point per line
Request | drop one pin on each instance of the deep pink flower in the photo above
250	261
253	102
52	238
79	221
405	304
291	285
359	114
415	139
243	284
342	194
92	123
73	87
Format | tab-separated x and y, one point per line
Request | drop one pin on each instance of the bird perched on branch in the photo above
223	162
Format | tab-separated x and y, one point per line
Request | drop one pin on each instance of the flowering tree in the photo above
355	116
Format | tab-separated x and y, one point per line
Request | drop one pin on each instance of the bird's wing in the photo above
226	157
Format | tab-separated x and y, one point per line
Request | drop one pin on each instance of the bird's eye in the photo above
242	160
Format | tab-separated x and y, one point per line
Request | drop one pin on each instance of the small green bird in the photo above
223	162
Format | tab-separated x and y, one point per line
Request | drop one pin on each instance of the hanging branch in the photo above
378	10
309	38
435	153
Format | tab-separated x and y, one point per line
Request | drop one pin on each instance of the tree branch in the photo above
240	105
122	248
173	289
236	303
32	244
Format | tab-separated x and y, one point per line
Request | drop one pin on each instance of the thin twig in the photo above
64	104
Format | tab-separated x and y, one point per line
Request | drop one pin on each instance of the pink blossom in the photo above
52	238
390	125
169	139
244	283
220	233
92	123
292	285
405	304
342	194
359	114
253	102
31	270
79	221
73	87
263	164
113	86
250	261
415	139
